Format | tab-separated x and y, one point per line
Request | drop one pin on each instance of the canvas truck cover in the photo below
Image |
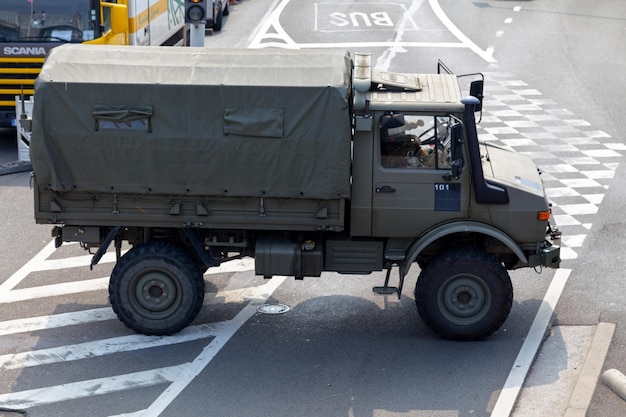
192	121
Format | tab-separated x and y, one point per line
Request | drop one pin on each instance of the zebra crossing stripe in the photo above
75	390
179	376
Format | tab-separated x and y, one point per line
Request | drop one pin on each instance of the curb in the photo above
590	372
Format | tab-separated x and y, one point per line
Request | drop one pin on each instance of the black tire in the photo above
219	20
464	294
156	289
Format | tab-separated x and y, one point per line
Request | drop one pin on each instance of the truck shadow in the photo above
330	355
344	355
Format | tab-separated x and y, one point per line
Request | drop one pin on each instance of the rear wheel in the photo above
464	294
156	289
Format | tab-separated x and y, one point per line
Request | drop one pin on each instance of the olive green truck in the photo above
308	161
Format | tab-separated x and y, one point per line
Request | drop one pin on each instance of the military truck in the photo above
308	161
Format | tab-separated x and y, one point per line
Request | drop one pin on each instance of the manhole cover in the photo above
272	308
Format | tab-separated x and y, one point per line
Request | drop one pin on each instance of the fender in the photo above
460	227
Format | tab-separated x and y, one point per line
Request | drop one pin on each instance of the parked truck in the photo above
308	161
29	29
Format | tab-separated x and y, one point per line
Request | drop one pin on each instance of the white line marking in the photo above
40	263
101	314
257	34
53	290
236	265
104	347
529	349
489	51
381	44
384	60
205	357
456	32
56	320
273	21
36	397
180	375
72	262
27	268
284	41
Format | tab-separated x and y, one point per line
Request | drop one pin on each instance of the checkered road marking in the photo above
577	160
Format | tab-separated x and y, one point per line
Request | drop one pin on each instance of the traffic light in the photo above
195	11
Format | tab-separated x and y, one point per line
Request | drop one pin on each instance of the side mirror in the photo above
476	90
119	18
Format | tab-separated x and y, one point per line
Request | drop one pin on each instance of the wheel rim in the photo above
155	294
464	300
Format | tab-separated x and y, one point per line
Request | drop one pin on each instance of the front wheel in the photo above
156	289
464	294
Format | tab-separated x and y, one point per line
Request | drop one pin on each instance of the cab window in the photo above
415	141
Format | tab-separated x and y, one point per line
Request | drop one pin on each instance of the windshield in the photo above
49	20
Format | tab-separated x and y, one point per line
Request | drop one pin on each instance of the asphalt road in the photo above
340	350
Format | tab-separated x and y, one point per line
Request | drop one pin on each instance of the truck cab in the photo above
419	169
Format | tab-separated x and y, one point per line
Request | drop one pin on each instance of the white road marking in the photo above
271	29
112	345
27	268
384	61
179	375
33	324
63	288
104	347
271	34
73	262
167	375
383	44
36	397
529	349
467	42
40	263
218	333
205	357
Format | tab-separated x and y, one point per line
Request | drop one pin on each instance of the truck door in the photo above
413	183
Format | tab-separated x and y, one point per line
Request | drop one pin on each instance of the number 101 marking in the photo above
442	187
